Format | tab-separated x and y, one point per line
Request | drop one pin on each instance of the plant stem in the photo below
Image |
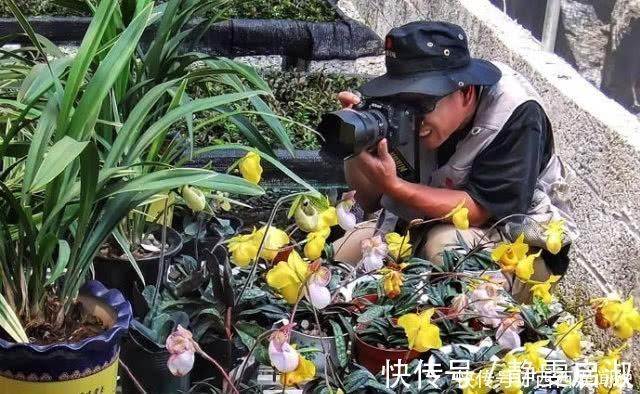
226	376
133	378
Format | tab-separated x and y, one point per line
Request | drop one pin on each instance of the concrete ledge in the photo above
597	138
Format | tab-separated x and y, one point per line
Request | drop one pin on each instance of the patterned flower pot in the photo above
88	366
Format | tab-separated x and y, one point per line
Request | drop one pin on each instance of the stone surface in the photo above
598	139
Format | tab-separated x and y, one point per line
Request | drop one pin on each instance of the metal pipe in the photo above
550	28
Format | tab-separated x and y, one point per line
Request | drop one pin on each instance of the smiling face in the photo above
451	113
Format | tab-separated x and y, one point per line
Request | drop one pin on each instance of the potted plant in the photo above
70	196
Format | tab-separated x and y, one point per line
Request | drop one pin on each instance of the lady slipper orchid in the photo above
533	356
346	218
250	167
315	243
608	367
244	249
288	277
510	375
194	198
508	332
274	241
374	250
568	339
392	280
306	216
317	292
282	355
484	300
422	335
182	351
305	371
555	234
542	290
327	219
507	255
399	246
459	303
524	268
622	316
478	382
460	216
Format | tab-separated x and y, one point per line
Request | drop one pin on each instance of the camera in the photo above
349	132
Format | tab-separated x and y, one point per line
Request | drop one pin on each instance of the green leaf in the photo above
63	258
10	322
268	158
177	177
83	59
126	247
63	153
373	312
341	345
86	113
167	120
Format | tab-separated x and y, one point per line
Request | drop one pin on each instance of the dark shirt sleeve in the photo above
504	175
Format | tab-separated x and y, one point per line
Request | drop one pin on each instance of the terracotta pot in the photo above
374	359
90	365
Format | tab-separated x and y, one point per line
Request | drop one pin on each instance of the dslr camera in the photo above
350	131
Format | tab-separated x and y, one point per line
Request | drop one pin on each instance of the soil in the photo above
78	325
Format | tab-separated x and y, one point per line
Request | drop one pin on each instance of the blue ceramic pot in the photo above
27	365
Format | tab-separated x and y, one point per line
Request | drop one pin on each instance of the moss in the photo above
307	10
300	97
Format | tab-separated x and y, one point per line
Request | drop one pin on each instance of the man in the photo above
493	146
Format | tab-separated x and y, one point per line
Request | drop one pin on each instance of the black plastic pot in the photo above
212	237
149	367
118	273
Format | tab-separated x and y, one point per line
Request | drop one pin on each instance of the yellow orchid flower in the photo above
421	334
392	280
394	242
306	371
509	376
315	243
623	316
607	367
541	290
507	254
533	356
479	382
460	216
328	218
524	268
555	233
306	216
288	277
250	167
568	339
244	249
274	241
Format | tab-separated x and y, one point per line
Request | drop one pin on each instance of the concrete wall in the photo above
597	138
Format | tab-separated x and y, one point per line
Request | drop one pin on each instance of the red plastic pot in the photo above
374	359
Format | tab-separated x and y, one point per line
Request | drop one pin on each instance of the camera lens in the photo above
349	132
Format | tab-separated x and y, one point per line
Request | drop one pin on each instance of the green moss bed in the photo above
300	97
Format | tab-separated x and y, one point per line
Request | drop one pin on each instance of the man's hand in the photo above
380	169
